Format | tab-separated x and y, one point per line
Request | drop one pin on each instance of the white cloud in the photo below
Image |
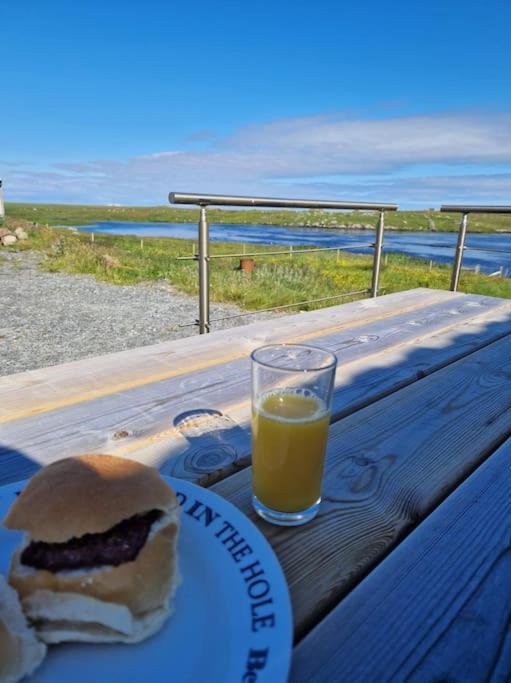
272	158
418	192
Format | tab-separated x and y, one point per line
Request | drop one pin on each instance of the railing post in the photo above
203	258
458	257
378	245
204	201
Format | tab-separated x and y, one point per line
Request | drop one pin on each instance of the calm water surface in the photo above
429	245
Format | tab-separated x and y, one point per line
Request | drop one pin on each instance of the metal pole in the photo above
272	202
203	272
458	256
459	208
378	246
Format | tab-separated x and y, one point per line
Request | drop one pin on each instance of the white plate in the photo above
226	626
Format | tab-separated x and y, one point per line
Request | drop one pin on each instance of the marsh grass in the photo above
275	281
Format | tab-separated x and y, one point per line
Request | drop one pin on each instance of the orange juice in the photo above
289	435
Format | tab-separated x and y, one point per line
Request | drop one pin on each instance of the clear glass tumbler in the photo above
291	404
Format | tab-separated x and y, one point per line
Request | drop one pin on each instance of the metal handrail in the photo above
282	252
272	202
203	257
459	208
355	292
462	232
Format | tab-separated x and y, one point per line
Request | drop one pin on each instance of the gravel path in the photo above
51	318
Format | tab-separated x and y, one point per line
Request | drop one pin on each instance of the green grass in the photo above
71	214
276	280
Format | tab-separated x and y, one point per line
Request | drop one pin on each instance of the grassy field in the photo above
276	281
70	214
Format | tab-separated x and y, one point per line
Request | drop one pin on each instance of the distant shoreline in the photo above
413	221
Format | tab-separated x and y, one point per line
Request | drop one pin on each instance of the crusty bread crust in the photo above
142	585
87	494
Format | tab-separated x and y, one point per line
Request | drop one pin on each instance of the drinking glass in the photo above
291	405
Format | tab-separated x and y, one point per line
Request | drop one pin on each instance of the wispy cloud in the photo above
204	135
417	192
292	157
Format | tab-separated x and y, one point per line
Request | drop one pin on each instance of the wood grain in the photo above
37	391
438	608
154	423
388	466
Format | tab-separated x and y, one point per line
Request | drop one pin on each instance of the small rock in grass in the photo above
21	234
8	240
4	232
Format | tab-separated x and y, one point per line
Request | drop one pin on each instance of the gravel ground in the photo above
51	318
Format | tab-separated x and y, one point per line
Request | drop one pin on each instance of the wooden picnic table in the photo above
405	573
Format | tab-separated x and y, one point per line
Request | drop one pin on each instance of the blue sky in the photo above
120	102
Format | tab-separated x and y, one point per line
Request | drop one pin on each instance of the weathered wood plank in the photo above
388	466
152	423
37	391
438	608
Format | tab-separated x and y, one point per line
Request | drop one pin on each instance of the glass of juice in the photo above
291	405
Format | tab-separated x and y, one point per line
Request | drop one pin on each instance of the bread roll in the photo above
77	500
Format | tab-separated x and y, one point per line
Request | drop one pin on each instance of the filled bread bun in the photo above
20	650
99	561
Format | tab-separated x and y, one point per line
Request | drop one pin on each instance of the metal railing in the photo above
203	257
462	233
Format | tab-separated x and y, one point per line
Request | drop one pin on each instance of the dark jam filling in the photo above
121	543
